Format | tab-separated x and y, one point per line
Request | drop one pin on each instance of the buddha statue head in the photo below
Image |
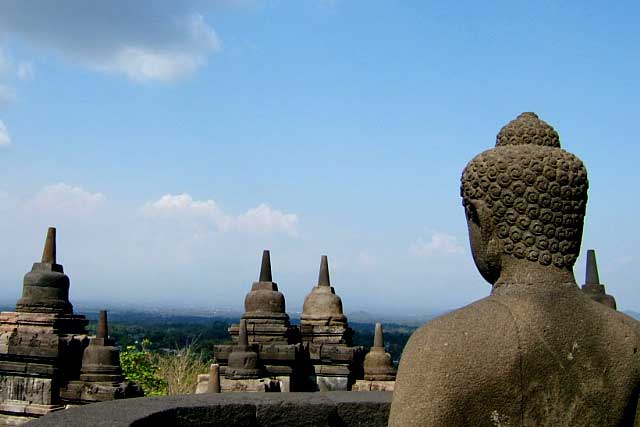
524	202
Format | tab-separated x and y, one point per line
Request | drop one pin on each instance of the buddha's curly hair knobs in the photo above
536	191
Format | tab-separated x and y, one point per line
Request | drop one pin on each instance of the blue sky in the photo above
171	142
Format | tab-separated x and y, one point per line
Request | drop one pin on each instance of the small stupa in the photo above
336	364
101	375
101	359
243	361
592	286
379	372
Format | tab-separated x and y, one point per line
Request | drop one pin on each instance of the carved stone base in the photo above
364	385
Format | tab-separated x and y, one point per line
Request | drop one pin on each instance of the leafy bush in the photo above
141	366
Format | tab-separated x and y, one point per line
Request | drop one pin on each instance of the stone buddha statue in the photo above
537	351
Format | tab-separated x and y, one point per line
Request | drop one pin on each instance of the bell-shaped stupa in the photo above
378	365
328	338
264	302
379	372
46	287
322	306
243	361
101	358
592	286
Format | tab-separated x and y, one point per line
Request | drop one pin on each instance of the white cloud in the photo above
142	40
182	207
66	199
440	244
4	133
263	219
143	63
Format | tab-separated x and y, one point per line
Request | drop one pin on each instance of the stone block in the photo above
364	385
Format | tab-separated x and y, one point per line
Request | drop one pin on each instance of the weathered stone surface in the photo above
213	382
368	385
592	286
537	351
331	409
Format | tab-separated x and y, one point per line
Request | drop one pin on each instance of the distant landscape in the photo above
167	331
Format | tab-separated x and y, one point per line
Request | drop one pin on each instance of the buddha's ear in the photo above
479	213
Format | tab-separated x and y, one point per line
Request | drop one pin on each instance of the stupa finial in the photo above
243	340
49	252
592	277
378	339
102	330
265	269
323	277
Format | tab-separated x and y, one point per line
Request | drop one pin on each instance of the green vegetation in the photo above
141	366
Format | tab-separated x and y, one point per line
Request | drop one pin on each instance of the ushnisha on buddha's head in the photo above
524	202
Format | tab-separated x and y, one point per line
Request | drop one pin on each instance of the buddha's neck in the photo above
525	276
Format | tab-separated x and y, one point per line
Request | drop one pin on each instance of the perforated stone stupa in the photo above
269	332
42	345
336	363
592	286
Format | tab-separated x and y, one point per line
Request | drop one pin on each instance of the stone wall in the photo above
330	409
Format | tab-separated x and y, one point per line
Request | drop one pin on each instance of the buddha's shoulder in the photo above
616	323
477	327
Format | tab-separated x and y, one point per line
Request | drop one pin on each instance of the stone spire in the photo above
378	365
592	287
592	277
378	339
102	330
243	361
46	287
323	277
265	301
101	358
49	252
265	268
322	304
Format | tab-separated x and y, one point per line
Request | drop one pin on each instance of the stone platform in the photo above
331	409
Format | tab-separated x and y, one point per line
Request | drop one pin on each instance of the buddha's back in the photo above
537	351
537	359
